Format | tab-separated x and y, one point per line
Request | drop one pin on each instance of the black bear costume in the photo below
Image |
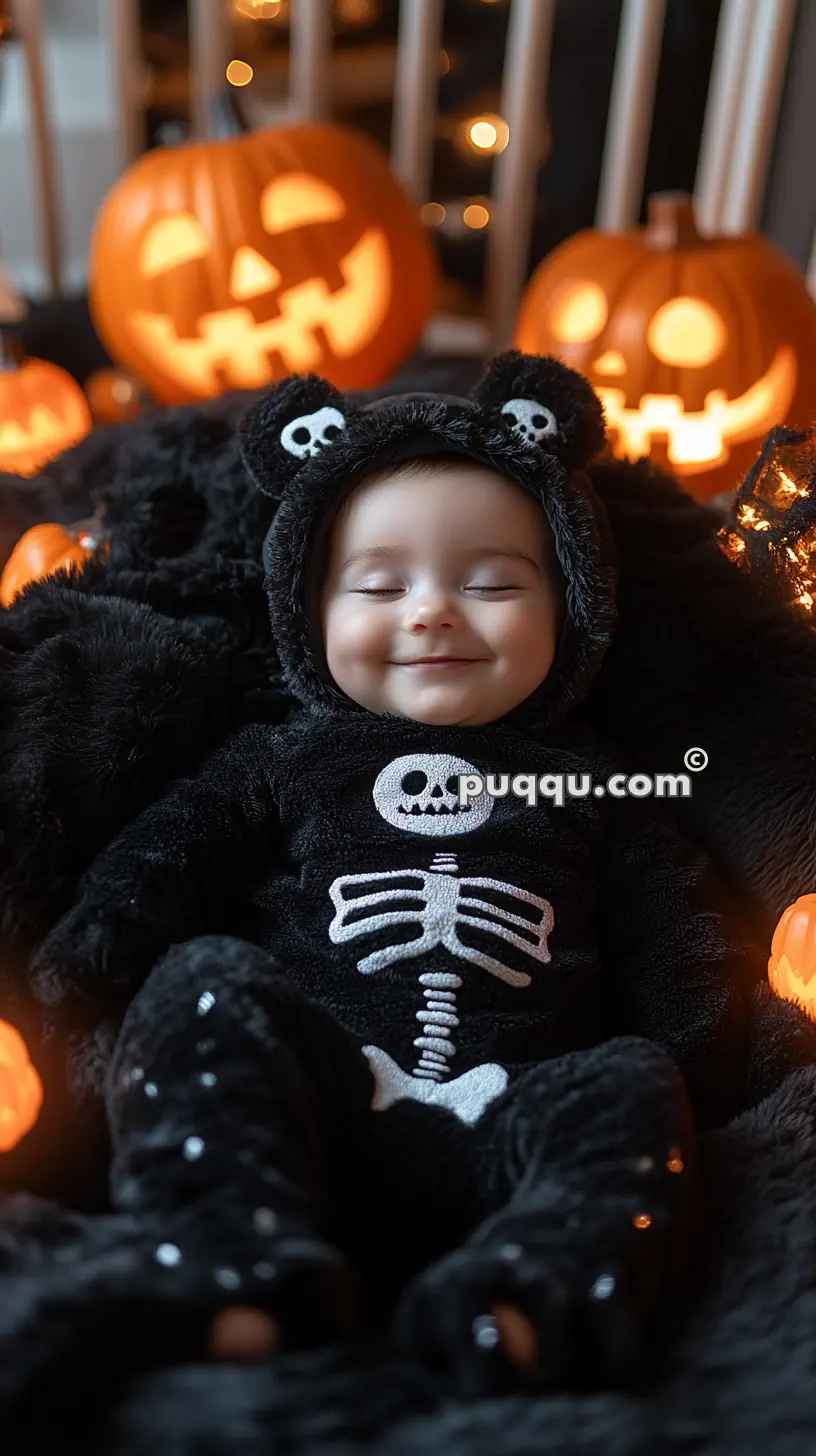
560	1143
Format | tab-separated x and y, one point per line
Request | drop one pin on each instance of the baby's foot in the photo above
520	1307
269	1287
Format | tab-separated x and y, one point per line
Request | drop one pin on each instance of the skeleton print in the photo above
419	793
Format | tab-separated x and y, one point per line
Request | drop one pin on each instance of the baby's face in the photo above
451	566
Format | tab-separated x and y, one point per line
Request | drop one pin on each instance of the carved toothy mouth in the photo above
699	439
230	342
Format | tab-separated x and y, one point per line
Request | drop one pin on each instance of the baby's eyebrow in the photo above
390	553
380	553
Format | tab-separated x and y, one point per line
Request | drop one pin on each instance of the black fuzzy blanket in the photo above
738	1375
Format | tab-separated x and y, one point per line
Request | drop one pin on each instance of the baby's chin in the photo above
441	708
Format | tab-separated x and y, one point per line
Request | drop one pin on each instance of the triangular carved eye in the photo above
531	420
309	434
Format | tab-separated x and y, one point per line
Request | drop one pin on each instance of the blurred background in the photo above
92	52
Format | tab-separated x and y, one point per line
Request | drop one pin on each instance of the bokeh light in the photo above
487	134
433	214
239	73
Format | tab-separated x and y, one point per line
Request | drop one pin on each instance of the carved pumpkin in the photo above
696	346
21	1091
227	264
42	550
792	966
42	412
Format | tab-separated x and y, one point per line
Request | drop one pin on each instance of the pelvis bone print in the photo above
440	901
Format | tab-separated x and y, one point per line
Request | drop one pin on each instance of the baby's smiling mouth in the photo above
437	661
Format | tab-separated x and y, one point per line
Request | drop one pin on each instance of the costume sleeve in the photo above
678	964
174	872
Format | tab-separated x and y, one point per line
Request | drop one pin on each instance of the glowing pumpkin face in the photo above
792	966
696	347
229	264
42	412
21	1091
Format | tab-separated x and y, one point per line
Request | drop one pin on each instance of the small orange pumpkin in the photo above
21	1091
226	264
792	966
42	412
696	346
40	552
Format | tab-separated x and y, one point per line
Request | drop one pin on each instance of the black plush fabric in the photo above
86	1306
535	1144
706	655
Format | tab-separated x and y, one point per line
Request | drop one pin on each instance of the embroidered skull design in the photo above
531	420
419	792
309	434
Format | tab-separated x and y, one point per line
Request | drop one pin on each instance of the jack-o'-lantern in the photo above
42	412
792	966
696	346
44	549
21	1092
227	264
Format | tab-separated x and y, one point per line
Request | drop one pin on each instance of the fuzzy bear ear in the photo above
293	420
546	404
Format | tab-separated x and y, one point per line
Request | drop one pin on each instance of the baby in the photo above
412	1054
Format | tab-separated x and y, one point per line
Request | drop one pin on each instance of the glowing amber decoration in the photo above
227	264
792	966
44	549
239	73
696	346
21	1091
42	412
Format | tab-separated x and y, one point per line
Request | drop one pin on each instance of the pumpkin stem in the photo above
671	221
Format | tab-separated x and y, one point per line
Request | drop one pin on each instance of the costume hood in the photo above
531	419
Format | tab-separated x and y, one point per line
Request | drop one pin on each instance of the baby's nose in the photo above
431	609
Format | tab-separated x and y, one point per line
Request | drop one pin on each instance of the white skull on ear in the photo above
309	434
531	420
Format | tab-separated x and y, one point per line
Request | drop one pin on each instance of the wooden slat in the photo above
415	87
309	60
722	111
27	15
631	105
124	38
524	88
756	126
210	34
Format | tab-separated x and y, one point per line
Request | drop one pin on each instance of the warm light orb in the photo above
358	12
475	215
239	73
686	332
433	214
255	9
488	133
579	312
21	1091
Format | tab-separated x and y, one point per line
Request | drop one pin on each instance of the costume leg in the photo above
231	1098
589	1163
